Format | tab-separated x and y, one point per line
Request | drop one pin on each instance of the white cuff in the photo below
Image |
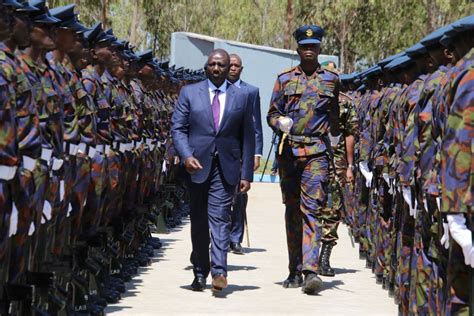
7	172
29	163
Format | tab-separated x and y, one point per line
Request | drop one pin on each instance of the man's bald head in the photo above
218	66
235	68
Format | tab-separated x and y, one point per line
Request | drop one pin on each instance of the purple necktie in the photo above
216	109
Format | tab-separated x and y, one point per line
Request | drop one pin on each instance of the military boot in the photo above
324	265
294	280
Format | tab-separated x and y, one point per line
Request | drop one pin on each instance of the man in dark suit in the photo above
214	135
239	213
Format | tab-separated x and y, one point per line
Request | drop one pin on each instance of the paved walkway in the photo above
254	278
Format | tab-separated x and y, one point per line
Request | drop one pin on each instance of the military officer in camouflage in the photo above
340	178
304	109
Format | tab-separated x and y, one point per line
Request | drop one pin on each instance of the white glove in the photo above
406	191
334	139
368	175
445	238
285	124
462	235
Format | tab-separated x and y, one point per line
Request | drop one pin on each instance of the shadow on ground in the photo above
251	250
232	288
229	268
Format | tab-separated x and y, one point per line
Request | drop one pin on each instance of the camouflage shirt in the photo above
308	101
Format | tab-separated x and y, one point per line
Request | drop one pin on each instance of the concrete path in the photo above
254	278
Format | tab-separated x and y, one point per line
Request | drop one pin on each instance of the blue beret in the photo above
145	56
460	26
372	71
95	34
25	6
110	34
387	60
11	3
308	34
42	15
65	13
416	50
433	38
464	24
400	63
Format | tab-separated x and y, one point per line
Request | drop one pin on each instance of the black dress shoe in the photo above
199	283
312	284
293	281
236	248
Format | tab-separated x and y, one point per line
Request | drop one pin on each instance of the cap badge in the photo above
309	32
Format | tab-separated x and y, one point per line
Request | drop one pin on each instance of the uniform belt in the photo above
7	172
304	139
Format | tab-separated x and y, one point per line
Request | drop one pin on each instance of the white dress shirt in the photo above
222	96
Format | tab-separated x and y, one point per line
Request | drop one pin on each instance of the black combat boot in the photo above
294	280
312	284
324	265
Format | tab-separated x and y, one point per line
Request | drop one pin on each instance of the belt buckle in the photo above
306	139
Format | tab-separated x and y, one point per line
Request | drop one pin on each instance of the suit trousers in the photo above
210	206
239	213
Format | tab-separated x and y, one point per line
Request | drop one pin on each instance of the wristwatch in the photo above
350	166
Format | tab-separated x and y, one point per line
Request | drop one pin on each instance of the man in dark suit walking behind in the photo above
239	213
214	135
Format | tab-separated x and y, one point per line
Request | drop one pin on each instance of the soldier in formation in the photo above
86	160
414	184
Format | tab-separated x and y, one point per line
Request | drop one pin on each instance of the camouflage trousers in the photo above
361	216
130	196
304	185
24	210
81	181
6	200
332	212
458	276
96	191
115	185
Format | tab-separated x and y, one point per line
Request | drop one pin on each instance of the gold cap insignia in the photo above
309	32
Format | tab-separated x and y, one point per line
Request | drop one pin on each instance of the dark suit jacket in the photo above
194	133
254	99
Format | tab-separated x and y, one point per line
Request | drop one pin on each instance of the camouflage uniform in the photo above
304	165
338	185
29	147
9	159
457	177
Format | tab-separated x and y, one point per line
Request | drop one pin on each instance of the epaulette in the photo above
287	71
